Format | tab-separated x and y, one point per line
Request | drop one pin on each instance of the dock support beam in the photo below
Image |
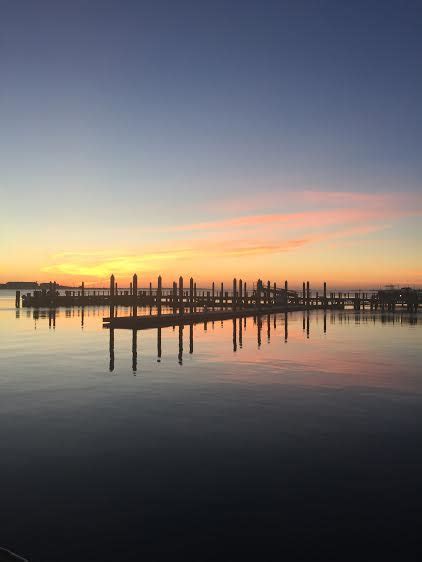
135	295
159	294
181	307
112	296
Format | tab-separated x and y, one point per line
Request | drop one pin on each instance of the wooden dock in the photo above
190	304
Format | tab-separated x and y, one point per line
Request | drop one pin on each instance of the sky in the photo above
279	140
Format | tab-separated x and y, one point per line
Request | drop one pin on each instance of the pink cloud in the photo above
303	219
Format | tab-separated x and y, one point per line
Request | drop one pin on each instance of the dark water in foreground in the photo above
248	446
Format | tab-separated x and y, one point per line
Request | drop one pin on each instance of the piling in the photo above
135	295
159	294
112	285
191	294
181	307
234	297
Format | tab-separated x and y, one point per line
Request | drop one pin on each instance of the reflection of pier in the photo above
261	322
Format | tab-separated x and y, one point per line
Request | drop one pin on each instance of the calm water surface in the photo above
295	437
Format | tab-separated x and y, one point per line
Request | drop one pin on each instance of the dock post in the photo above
130	289
181	308
234	297
240	293
191	295
135	295
308	295
274	293
245	293
258	293
267	299
83	290
174	298
221	295
18	299
213	295
111	297
159	294
286	289
325	294
194	297
303	294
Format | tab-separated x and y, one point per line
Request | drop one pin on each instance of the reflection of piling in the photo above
307	324
180	356
240	333
259	326
286	328
325	322
234	335
191	338
159	344
134	350
18	299
111	348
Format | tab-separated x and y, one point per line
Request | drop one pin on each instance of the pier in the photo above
183	304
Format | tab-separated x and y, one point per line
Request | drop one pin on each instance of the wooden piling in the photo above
234	297
112	296
258	294
135	295
159	294
191	294
181	307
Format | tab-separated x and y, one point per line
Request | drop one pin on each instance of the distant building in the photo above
13	285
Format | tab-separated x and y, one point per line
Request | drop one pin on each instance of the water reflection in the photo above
239	326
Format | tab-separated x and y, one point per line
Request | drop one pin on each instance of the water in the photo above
236	441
